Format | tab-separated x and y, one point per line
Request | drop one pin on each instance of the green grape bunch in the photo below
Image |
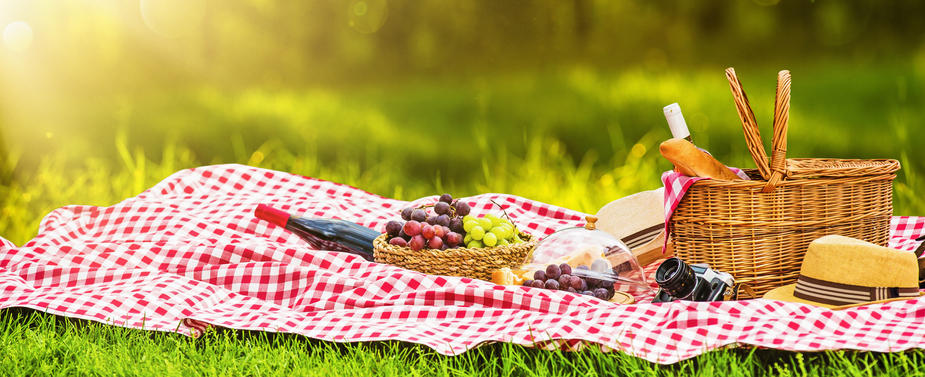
488	231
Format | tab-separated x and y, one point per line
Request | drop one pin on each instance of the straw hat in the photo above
840	272
638	220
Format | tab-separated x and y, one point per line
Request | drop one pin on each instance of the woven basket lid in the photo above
829	167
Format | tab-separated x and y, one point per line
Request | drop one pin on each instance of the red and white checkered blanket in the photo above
188	252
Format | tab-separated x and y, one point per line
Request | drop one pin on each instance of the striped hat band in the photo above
831	293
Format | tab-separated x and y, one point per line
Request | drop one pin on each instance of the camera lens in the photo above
676	278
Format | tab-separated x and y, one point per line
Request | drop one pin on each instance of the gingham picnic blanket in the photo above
188	253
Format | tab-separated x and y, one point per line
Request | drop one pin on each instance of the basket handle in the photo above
781	123
775	170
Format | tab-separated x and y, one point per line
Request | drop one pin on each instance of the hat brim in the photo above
634	213
785	293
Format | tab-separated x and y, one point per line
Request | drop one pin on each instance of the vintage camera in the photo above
698	282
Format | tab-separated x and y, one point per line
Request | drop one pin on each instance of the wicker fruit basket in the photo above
475	263
759	230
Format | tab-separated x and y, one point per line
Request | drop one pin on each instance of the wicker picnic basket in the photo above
758	230
475	263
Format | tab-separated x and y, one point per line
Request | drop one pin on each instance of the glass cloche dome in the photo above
592	253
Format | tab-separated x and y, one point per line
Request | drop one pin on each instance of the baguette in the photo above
693	162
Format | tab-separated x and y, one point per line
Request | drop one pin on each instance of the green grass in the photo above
576	138
40	344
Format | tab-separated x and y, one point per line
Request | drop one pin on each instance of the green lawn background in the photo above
575	137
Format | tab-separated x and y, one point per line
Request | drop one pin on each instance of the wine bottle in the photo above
676	122
679	130
324	234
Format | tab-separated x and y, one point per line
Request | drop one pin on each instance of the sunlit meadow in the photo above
556	101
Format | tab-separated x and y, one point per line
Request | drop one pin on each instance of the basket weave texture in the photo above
475	263
759	230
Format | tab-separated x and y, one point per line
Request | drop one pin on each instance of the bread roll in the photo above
694	162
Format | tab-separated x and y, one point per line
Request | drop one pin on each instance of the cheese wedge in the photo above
585	257
505	276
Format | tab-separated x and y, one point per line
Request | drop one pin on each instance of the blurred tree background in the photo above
101	98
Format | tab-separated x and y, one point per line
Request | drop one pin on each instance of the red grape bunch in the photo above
442	229
559	277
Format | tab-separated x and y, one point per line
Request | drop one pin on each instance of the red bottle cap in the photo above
273	215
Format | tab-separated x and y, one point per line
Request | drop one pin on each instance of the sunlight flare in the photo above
173	18
368	16
17	36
